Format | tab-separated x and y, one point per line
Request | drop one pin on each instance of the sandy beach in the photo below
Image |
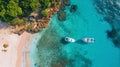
12	55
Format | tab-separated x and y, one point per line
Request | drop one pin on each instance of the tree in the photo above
34	4
44	12
28	6
2	11
9	10
13	9
45	3
18	21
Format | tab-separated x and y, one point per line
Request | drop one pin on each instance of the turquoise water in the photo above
85	22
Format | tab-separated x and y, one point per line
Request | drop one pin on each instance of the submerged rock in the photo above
112	34
62	7
117	42
110	9
73	8
61	15
66	2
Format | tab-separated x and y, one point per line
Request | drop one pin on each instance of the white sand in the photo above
14	54
8	59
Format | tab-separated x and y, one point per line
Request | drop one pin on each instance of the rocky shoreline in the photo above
36	21
61	13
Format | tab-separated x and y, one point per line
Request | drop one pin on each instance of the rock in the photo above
73	8
112	34
5	45
62	7
61	15
117	42
66	2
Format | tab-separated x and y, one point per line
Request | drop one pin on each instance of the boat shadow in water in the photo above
63	41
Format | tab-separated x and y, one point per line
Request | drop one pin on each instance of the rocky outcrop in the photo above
113	33
38	22
61	15
73	8
66	2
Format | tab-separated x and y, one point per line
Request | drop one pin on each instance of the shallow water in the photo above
85	22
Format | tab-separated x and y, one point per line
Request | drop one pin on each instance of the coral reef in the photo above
62	62
110	10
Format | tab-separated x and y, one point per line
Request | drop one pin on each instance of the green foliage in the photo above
34	4
44	12
29	27
45	3
2	12
28	6
12	10
18	21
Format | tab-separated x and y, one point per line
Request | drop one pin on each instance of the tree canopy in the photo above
44	12
12	9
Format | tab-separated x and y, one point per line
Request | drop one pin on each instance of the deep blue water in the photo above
85	22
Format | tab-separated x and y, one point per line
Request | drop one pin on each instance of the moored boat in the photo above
68	39
88	40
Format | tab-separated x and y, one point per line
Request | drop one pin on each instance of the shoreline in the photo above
23	49
36	23
14	54
17	50
30	51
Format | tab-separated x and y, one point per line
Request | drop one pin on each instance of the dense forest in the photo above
15	12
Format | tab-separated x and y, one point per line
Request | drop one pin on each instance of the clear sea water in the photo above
85	22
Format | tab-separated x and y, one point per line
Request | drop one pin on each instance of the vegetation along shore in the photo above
28	15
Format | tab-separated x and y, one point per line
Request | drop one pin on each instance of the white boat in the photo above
88	40
68	39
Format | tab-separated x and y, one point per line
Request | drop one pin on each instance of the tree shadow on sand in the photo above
3	25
